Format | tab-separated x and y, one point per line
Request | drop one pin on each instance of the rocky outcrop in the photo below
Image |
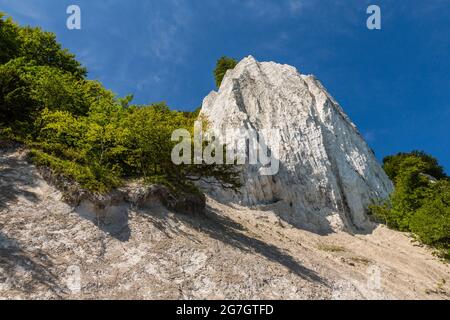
328	174
51	250
116	202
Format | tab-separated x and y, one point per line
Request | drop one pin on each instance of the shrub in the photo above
431	222
9	39
223	65
83	131
420	202
26	89
92	177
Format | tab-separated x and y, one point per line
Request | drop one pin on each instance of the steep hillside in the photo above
230	252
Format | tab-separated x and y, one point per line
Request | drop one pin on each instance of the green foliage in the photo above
81	130
395	164
149	144
421	200
431	222
9	39
16	105
36	45
381	210
108	138
92	177
37	73
223	65
193	114
7	134
42	47
26	89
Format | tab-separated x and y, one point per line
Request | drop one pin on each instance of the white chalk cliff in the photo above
328	174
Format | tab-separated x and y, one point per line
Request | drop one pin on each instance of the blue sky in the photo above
394	83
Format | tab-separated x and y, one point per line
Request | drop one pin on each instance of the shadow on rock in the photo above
111	218
231	233
303	208
25	271
16	179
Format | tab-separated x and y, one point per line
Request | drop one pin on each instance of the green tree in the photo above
420	202
223	65
26	89
431	222
115	142
83	131
410	192
42	47
393	165
16	103
36	45
9	39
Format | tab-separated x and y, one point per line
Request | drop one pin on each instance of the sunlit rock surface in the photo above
328	174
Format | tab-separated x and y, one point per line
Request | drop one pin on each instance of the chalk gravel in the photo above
49	250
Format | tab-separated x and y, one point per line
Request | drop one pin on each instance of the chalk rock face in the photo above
327	173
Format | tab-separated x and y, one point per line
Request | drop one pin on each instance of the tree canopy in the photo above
420	202
80	129
36	45
223	65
